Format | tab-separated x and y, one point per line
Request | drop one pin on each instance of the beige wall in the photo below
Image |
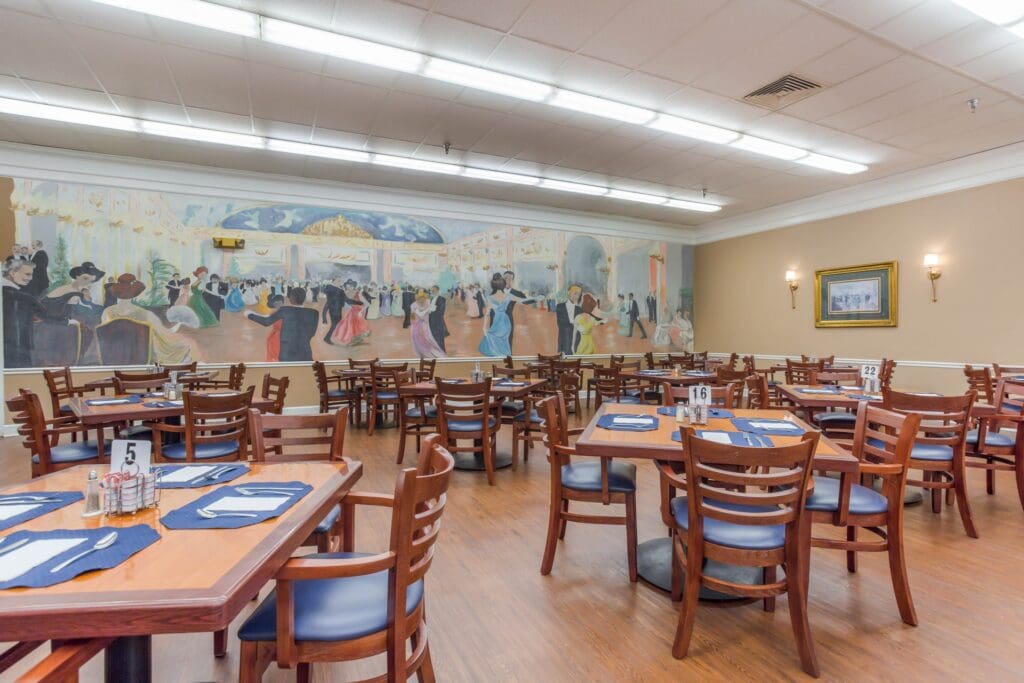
742	302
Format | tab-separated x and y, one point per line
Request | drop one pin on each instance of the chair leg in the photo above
488	454
302	672
371	419
851	555
562	521
425	674
220	642
768	575
551	542
688	608
898	569
1018	471
631	536
962	504
990	480
254	659
401	439
677	571
936	494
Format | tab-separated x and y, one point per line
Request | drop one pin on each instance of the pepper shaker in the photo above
92	495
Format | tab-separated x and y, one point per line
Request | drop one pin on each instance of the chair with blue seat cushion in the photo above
513	411
213	429
469	412
341	391
999	435
742	506
383	394
417	416
609	388
591	480
347	606
41	436
882	442
939	447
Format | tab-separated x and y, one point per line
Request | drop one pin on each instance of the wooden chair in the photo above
1001	371
275	389
124	342
521	416
885	372
337	392
466	412
725	375
383	394
602	480
729	396
159	376
824	360
801	373
508	362
138	386
743	506
999	451
940	446
649	360
65	659
215	429
882	441
332	607
760	395
608	387
591	384
428	366
236	376
568	384
835	377
61	386
181	367
980	381
417	416
41	436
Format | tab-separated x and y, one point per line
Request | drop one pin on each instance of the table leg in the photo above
654	565
129	658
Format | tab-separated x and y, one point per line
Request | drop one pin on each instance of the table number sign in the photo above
700	395
869	377
127	455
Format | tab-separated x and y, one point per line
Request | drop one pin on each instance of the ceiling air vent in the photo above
782	92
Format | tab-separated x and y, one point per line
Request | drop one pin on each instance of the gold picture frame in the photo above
857	296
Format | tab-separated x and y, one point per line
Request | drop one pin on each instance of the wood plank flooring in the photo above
493	617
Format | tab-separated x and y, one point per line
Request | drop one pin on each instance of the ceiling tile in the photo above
968	43
457	39
210	81
869	13
848	60
283	95
126	66
565	23
926	23
497	14
347	106
380	20
404	116
36	48
526	58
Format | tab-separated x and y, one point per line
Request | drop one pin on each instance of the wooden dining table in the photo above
189	581
141	411
654	557
684	378
186	378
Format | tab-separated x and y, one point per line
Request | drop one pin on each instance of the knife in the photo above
13	546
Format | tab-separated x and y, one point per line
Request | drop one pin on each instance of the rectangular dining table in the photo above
654	557
684	378
186	378
189	581
124	412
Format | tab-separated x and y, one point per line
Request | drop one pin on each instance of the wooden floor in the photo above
493	617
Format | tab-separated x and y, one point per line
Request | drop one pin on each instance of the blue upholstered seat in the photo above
863	500
470	425
512	407
836	418
386	395
66	410
997	439
586	476
327	522
923	451
137	432
205	451
534	417
74	452
414	411
648	394
331	610
733	535
340	393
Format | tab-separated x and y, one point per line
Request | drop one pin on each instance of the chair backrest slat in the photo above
275	389
801	372
288	437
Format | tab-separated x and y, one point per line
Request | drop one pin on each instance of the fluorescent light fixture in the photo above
1002	12
217	137
339	153
412	164
831	164
500	176
579	188
343	47
778	150
53	113
485	79
196	12
642	197
693	129
598	106
693	206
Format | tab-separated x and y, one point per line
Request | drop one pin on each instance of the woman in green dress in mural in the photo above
196	303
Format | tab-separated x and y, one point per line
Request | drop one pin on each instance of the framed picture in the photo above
857	296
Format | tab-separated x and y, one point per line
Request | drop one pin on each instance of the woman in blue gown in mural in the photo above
495	342
234	301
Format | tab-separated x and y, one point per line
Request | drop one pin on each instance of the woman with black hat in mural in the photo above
167	347
66	302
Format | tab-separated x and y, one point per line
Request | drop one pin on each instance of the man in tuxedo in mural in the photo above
435	320
40	279
510	280
334	302
565	317
652	307
408	299
20	311
634	317
214	295
298	325
173	288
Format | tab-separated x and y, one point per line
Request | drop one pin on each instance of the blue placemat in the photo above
452	381
164	404
40	502
654	373
699	373
712	412
608	422
187	516
113	400
757	426
735	438
816	390
227	472
130	540
509	383
864	397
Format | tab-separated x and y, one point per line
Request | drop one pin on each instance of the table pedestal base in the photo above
475	461
129	658
654	564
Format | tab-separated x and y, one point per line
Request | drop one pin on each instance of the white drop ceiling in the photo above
898	74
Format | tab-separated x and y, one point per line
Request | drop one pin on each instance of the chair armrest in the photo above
299	569
65	660
386	500
76	428
63	420
881	469
165	427
575	431
675	479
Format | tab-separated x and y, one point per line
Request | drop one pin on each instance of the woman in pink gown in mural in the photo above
423	343
353	328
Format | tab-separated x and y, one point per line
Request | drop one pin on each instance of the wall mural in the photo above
107	276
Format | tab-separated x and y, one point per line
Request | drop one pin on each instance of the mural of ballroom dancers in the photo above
214	295
652	307
634	317
21	309
408	297
565	319
372	297
297	327
677	333
438	327
396	301
173	288
62	304
584	326
496	341
385	301
353	329
249	294
263	298
234	302
334	302
517	297
40	277
622	312
424	344
197	302
165	344
180	312
473	303
685	330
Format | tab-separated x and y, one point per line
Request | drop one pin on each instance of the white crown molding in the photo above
48	163
931	364
984	168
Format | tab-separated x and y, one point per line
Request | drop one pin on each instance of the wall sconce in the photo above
657	257
931	262
794	284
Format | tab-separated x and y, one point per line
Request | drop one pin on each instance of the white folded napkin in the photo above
31	555
248	503
187	473
8	511
632	420
774	425
717	437
107	401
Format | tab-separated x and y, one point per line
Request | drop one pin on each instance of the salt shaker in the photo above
92	495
